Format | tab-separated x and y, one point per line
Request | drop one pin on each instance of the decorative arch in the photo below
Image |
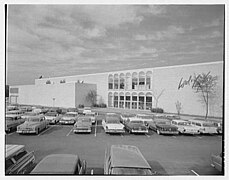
116	77
128	81
116	99
149	100
110	81
134	80
149	75
121	99
122	81
141	100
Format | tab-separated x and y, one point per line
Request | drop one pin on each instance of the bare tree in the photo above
205	85
92	97
156	96
178	107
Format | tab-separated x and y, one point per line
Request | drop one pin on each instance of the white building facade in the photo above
138	89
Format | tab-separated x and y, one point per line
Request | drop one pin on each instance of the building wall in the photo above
43	95
161	78
82	91
169	78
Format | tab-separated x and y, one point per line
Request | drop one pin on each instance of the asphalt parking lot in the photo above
167	155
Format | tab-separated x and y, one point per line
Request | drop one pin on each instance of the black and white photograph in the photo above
112	89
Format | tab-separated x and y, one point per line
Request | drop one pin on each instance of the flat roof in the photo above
57	164
127	156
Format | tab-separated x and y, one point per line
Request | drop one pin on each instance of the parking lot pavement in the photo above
168	155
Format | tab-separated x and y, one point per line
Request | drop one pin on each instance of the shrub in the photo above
81	106
157	110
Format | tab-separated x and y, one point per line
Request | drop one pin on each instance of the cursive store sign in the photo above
191	81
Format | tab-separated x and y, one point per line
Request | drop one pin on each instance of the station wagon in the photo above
125	160
185	127
18	160
205	127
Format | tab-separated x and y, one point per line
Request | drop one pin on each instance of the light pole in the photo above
53	101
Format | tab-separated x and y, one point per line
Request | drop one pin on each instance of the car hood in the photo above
29	124
115	126
166	126
67	118
50	117
84	124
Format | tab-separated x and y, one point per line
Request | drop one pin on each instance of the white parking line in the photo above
174	136
95	127
10	134
195	173
147	135
200	137
69	132
45	131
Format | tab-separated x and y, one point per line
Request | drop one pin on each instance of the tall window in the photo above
122	83
127	104
148	102
134	83
110	83
134	102
115	100
121	101
141	102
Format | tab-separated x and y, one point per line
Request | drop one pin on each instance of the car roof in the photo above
57	164
84	118
71	113
180	120
112	118
12	148
12	115
127	156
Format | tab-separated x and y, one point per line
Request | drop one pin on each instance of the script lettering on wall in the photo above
191	81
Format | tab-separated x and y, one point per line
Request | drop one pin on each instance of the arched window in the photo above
134	100
110	81
121	100
122	81
128	81
141	101
141	80
148	79
116	99
116	81
134	80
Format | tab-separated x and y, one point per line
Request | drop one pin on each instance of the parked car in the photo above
216	161
11	108
60	164
91	115
69	118
111	124
15	112
26	115
205	127
18	160
34	124
163	126
25	108
125	160
124	117
172	116
136	125
185	127
83	124
146	118
86	110
219	127
52	117
12	121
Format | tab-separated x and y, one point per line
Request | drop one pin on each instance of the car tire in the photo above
158	132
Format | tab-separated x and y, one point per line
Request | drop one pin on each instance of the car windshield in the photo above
33	120
208	125
51	114
163	122
9	119
112	121
70	115
136	122
131	171
30	114
89	115
184	123
128	115
144	117
84	121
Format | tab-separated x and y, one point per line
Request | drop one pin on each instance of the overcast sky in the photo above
66	40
